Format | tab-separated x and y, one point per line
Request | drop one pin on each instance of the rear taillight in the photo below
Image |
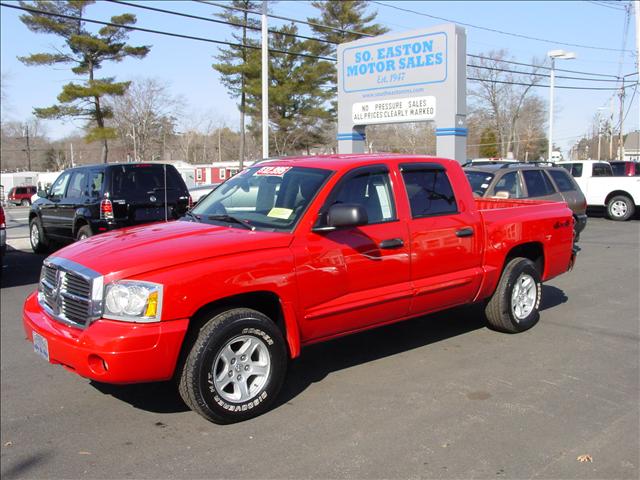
106	209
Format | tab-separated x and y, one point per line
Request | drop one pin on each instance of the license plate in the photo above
41	346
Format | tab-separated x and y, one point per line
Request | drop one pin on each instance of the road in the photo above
440	396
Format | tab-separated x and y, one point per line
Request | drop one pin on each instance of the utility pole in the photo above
611	129
219	144
620	137
265	82
28	149
73	160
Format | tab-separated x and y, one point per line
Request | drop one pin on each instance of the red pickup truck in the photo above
285	254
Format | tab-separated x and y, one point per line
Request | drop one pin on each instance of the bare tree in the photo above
501	91
144	116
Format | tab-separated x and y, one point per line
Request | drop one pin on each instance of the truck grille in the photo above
66	292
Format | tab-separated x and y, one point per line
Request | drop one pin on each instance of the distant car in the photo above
92	199
535	181
198	192
3	232
22	195
625	169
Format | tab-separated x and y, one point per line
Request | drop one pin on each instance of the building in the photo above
632	147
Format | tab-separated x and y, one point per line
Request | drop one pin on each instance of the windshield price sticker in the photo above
397	110
273	171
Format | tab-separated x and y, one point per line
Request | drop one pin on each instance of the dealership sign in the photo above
404	77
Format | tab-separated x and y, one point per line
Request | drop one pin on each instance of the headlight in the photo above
133	301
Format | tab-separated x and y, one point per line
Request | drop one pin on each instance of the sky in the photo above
185	65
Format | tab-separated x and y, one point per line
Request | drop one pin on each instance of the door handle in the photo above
464	232
391	243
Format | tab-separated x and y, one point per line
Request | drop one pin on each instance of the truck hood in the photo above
132	251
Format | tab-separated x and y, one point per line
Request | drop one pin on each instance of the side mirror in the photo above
501	194
42	193
344	215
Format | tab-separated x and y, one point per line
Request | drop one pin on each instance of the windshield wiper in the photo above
194	218
231	219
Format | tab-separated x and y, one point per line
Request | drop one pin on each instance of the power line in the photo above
604	4
494	30
541	74
279	17
566	87
160	32
213	20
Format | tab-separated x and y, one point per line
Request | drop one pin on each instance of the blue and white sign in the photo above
408	61
403	77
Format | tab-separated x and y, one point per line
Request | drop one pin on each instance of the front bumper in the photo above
109	351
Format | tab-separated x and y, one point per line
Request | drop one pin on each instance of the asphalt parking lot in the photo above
436	397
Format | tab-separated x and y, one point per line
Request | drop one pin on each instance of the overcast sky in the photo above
185	65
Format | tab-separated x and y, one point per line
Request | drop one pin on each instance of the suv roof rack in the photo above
533	164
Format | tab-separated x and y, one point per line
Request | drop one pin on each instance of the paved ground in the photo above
437	397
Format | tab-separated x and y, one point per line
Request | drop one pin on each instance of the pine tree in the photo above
238	65
488	144
349	16
296	96
87	51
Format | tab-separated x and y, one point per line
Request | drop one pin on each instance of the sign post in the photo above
405	77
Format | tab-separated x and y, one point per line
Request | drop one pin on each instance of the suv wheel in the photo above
620	208
25	202
235	367
37	238
84	232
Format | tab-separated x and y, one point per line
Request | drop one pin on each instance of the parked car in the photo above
330	246
3	232
199	191
87	200
523	180
619	195
625	168
21	195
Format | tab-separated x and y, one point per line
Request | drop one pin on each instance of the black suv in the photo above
92	199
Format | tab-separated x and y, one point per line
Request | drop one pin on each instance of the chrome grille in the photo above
66	292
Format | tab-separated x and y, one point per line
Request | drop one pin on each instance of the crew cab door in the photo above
445	240
72	200
353	277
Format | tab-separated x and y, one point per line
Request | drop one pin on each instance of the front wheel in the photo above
235	368
620	208
37	238
514	305
84	232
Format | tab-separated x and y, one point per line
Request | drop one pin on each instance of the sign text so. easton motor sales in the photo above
403	62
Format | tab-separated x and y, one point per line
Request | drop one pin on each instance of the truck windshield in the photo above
479	181
264	197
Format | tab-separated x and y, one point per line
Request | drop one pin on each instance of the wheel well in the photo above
32	215
79	223
264	302
615	194
533	251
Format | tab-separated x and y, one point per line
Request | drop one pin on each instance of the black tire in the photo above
84	232
37	238
501	314
25	202
620	208
204	391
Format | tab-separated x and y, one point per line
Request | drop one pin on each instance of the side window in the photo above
77	184
429	192
537	183
509	183
574	169
95	183
601	170
60	185
562	179
372	190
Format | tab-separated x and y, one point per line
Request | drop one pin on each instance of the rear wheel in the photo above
84	232
25	202
514	305
620	208
37	238
235	368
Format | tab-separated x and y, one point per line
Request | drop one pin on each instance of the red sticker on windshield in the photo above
273	171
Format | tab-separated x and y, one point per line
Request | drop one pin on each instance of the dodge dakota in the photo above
285	254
